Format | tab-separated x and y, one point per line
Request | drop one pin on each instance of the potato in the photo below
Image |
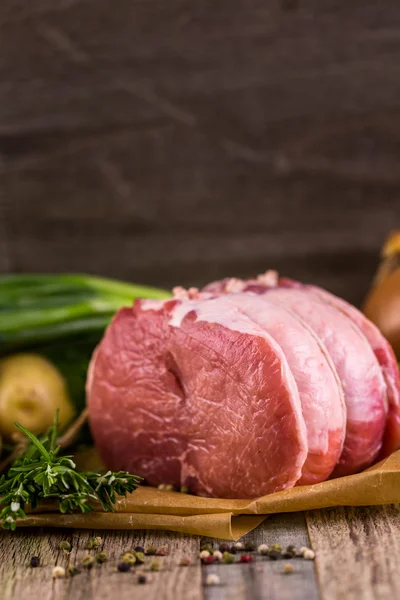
31	389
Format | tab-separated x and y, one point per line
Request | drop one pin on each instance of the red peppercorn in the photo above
246	558
209	560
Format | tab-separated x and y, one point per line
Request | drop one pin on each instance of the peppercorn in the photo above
274	554
217	555
302	550
142	579
185	562
101	557
263	549
309	554
94	543
88	562
207	547
288	554
139	558
65	546
161	487
128	558
72	571
184	489
162	551
204	554
246	558
155	565
169	488
228	558
139	549
249	546
238	546
58	572
224	548
35	561
288	568
150	550
123	567
212	579
208	560
291	548
276	547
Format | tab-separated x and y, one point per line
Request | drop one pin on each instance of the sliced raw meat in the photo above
358	369
386	358
195	393
319	386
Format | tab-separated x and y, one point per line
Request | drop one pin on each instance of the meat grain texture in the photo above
243	389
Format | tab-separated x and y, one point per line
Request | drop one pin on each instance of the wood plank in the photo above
358	552
264	579
171	583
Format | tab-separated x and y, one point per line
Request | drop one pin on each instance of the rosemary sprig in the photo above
41	473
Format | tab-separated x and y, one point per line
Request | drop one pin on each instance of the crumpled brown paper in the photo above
149	508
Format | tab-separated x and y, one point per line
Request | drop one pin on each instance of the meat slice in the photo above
358	369
195	393
387	360
319	386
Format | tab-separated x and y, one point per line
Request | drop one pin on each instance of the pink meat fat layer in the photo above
319	386
178	397
358	369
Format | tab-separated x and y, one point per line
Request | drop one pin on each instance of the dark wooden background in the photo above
180	141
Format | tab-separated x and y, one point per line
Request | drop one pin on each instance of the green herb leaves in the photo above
40	473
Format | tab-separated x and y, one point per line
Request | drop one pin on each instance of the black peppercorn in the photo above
123	567
35	561
249	546
224	548
139	549
274	554
142	579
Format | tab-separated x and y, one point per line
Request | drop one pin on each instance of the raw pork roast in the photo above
243	389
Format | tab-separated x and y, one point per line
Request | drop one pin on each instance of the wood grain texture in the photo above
358	552
184	142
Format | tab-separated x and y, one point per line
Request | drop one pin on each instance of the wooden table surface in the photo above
357	557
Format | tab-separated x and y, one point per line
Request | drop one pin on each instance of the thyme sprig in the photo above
41	473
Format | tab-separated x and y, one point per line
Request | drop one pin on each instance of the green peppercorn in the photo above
228	558
72	571
276	547
184	489
249	546
94	543
155	565
128	558
88	562
101	557
150	550
139	558
65	546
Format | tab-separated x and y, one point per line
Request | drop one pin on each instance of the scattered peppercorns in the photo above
276	547
309	554
150	551
274	555
207	547
204	554
65	546
72	571
184	489
263	549
169	488
142	579
287	568
212	579
139	549
35	562
162	551
246	558
185	562
123	567
238	546
58	572
224	548
208	560
217	554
